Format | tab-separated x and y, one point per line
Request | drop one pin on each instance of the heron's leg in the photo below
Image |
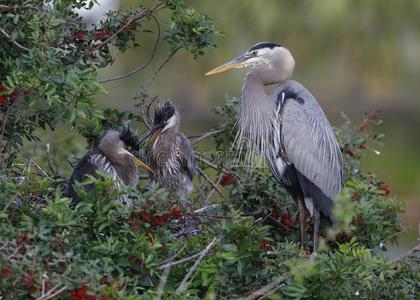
316	220
302	221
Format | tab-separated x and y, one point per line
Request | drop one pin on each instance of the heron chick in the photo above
170	153
116	156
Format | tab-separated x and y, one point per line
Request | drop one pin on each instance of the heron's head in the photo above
268	62
165	118
121	147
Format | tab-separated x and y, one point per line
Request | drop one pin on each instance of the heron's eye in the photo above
254	53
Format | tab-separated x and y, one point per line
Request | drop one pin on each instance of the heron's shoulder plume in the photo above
164	113
129	137
263	45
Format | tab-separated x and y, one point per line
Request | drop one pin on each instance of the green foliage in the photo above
100	249
50	58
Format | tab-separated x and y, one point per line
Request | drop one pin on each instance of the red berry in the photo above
385	188
100	34
364	126
362	146
227	179
351	152
6	272
356	197
147	218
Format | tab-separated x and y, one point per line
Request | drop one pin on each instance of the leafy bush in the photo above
243	244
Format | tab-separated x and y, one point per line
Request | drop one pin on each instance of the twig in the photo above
4	245
14	252
149	106
191	273
163	63
10	202
279	223
162	282
174	256
143	65
198	138
50	293
181	261
143	14
206	200
412	251
4	7
200	190
13	41
212	206
266	289
204	175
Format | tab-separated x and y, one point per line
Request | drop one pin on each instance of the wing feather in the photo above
311	146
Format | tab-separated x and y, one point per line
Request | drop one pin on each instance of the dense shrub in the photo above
100	249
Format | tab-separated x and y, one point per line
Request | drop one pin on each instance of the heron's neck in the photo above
256	118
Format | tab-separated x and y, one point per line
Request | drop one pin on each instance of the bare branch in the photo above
258	294
191	273
208	179
206	200
198	138
162	282
53	292
159	68
4	7
174	256
412	251
205	208
5	34
181	261
132	72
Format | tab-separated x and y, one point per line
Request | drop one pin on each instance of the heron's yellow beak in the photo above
142	164
239	62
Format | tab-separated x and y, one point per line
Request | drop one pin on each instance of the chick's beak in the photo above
142	164
238	62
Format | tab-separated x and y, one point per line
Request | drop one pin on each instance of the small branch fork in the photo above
191	273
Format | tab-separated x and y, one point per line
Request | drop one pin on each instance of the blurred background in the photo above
353	55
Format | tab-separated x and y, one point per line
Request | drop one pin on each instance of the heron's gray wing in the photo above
186	155
311	146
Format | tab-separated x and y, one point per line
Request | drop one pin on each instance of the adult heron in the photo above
290	130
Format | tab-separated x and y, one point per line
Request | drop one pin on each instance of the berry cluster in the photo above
4	99
142	217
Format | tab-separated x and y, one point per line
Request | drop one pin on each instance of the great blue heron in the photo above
170	154
116	156
290	130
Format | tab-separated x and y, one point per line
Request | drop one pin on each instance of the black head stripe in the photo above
163	114
129	138
263	45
